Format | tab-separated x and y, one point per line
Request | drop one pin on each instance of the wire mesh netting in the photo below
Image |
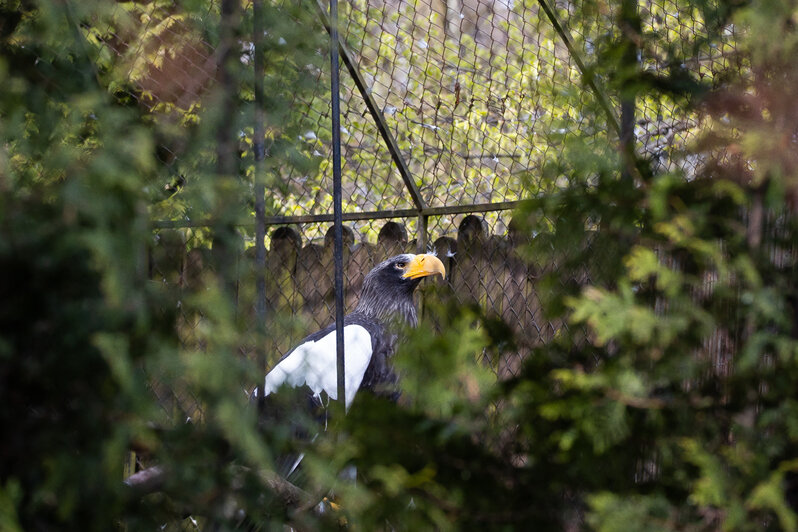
450	112
461	92
664	127
483	269
471	91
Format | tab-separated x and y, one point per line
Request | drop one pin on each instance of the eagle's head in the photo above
388	288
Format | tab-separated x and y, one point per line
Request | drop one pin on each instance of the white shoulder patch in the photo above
314	364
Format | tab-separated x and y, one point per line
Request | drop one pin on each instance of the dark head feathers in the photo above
388	288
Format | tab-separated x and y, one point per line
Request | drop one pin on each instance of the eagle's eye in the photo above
400	265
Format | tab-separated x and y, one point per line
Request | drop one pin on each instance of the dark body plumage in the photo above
371	333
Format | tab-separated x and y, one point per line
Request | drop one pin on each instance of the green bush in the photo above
667	401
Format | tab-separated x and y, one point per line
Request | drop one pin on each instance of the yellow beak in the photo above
424	265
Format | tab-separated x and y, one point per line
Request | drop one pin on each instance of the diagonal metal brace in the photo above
376	114
588	76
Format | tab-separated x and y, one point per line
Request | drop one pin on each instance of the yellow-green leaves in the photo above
611	512
444	370
643	264
769	495
614	315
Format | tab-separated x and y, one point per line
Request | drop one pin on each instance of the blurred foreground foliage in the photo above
667	402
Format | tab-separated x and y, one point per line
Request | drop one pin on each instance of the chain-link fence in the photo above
450	112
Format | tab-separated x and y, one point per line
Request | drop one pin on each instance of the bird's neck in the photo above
398	310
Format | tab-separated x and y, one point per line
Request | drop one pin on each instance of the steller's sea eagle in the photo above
370	333
370	337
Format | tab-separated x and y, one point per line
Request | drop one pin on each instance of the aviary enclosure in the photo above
451	113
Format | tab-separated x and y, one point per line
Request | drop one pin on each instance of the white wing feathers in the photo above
314	364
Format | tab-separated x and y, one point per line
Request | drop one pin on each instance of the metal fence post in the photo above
225	233
630	30
260	192
337	208
423	226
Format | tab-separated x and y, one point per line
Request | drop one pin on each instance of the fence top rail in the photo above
353	216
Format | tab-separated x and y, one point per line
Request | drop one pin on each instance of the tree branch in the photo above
152	480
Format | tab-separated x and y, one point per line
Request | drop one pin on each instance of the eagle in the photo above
371	333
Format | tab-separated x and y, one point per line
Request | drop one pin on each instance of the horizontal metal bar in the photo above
479	207
302	219
353	216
